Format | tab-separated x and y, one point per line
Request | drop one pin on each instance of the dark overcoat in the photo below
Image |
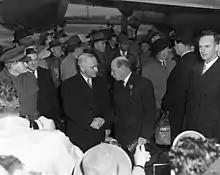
135	109
174	99
47	103
81	105
203	104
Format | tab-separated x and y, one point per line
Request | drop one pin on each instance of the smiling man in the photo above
202	110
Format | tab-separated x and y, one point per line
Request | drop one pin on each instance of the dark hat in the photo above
123	38
186	37
54	43
73	41
159	45
104	159
21	33
59	34
29	51
98	36
14	54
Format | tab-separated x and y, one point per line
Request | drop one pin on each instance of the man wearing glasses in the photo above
86	104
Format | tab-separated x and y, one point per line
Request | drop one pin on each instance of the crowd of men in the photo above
110	87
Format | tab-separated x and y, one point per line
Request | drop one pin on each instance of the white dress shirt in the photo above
88	80
208	65
123	53
126	79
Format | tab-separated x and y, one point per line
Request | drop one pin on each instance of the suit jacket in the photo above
174	99
81	105
135	109
47	103
203	104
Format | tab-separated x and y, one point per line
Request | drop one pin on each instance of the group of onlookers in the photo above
107	88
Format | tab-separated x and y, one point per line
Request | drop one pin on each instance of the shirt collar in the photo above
126	79
186	52
211	62
123	53
34	72
86	78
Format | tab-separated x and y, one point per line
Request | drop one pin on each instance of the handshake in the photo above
97	123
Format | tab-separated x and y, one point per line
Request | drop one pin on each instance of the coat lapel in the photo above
210	75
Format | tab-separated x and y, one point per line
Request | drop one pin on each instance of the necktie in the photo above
89	82
204	69
163	63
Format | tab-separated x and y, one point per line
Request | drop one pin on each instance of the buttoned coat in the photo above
178	82
81	105
135	109
203	103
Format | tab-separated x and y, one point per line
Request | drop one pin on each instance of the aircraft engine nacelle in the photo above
37	15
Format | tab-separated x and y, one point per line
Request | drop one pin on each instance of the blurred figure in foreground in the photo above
107	159
45	150
192	154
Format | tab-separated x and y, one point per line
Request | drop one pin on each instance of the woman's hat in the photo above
104	159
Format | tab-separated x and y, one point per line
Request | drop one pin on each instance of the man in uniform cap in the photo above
16	71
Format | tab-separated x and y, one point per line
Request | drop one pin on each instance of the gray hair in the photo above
84	57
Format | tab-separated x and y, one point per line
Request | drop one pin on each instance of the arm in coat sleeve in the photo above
149	109
107	109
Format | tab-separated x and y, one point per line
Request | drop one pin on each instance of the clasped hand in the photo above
97	123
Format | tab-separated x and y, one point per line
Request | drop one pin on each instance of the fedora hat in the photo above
98	36
160	44
104	159
193	134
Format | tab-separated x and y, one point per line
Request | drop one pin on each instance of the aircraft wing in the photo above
164	6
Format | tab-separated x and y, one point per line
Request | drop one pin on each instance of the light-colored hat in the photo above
14	54
104	159
193	134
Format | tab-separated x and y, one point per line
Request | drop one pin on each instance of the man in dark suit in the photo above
203	103
134	104
178	81
47	97
86	104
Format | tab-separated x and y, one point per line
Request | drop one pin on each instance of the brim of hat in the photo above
96	40
78	170
193	134
16	58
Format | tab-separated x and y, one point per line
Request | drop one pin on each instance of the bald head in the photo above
120	61
88	65
120	67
